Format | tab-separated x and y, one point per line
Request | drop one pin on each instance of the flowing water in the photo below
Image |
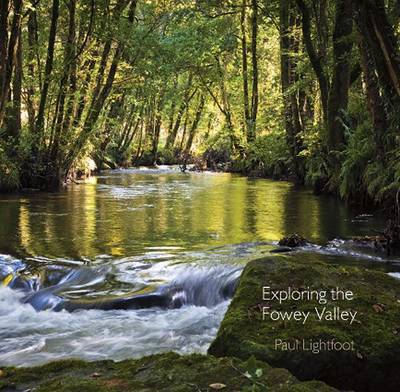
129	233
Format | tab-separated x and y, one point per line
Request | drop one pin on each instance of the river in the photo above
134	231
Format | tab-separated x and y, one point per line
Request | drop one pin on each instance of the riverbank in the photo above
262	161
164	372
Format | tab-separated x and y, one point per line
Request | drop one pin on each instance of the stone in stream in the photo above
387	241
164	372
282	249
281	325
293	241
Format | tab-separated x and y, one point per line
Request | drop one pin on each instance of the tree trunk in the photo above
245	76
12	55
82	93
72	79
131	133
4	6
250	109
156	138
185	125
315	58
379	36
186	99
32	56
289	48
49	66
157	128
94	113
374	100
129	119
339	91
14	113
115	112
69	59
195	125
254	61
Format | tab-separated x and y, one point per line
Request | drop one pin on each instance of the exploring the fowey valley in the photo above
199	195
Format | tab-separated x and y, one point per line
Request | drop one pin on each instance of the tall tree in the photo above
250	107
340	84
289	47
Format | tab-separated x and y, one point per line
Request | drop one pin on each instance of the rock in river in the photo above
292	241
275	315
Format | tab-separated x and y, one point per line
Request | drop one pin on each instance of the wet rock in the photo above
377	242
165	372
392	236
388	241
282	249
373	363
293	241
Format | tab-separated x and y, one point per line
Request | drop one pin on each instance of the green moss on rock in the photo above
375	362
164	372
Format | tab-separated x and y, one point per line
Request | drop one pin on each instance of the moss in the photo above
373	364
164	372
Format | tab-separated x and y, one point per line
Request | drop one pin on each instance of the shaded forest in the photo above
307	90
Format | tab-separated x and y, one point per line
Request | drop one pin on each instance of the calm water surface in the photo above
129	212
133	231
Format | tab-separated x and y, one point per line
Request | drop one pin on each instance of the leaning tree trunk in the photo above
195	125
157	129
315	58
181	111
379	36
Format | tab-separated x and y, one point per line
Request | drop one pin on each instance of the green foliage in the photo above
217	150
316	165
382	179
9	170
358	154
268	155
168	57
364	173
169	156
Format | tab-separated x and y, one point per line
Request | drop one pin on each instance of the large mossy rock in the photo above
373	365
164	372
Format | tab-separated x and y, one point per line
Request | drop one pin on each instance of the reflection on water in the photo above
124	213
